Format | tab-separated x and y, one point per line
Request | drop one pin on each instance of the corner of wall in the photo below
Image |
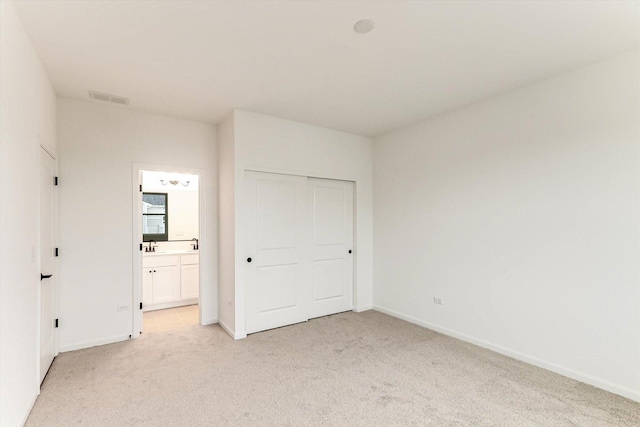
226	225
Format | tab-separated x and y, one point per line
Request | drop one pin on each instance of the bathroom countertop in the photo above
170	252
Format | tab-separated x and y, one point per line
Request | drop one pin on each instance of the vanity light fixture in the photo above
175	182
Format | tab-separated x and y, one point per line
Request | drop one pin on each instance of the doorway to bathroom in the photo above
167	210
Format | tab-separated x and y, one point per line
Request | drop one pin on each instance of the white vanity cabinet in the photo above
169	281
158	285
189	277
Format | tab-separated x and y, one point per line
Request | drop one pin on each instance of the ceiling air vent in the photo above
101	96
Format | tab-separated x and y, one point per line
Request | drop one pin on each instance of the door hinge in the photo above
56	252
140	306
56	323
140	246
55	180
141	188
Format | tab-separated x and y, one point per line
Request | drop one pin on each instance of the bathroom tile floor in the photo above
169	319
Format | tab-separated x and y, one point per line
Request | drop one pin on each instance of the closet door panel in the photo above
332	240
277	241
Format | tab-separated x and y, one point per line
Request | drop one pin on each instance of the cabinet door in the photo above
190	279
147	287
166	284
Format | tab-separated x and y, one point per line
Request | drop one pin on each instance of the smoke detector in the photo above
107	97
363	26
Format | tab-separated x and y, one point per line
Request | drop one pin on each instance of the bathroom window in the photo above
155	217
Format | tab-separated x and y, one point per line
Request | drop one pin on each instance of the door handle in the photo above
45	276
248	259
349	250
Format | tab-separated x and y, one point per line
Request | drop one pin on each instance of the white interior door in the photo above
47	263
332	246
147	287
277	239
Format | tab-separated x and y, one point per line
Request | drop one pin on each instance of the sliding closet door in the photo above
332	246
277	239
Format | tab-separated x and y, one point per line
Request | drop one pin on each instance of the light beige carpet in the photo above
348	369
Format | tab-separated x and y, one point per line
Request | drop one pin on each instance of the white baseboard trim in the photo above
173	304
363	308
210	322
570	373
227	329
30	407
87	344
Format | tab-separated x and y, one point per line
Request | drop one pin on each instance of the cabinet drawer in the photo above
189	259
159	261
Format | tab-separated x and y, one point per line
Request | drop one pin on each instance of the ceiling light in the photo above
363	26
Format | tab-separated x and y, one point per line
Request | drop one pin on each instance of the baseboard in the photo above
173	304
226	328
363	308
570	373
210	322
87	344
236	335
30	407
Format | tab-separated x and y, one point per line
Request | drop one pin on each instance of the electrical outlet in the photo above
122	307
438	300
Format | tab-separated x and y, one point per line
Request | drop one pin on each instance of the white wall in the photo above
270	144
27	120
98	146
522	213
183	215
227	224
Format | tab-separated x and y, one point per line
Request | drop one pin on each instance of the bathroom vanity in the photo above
170	279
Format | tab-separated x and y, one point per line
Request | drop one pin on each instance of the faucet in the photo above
150	248
195	246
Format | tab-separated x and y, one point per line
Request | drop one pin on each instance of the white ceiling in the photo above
302	60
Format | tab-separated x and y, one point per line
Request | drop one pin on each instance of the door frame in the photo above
242	247
56	230
136	292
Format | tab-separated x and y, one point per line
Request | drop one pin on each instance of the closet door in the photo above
277	213
332	246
